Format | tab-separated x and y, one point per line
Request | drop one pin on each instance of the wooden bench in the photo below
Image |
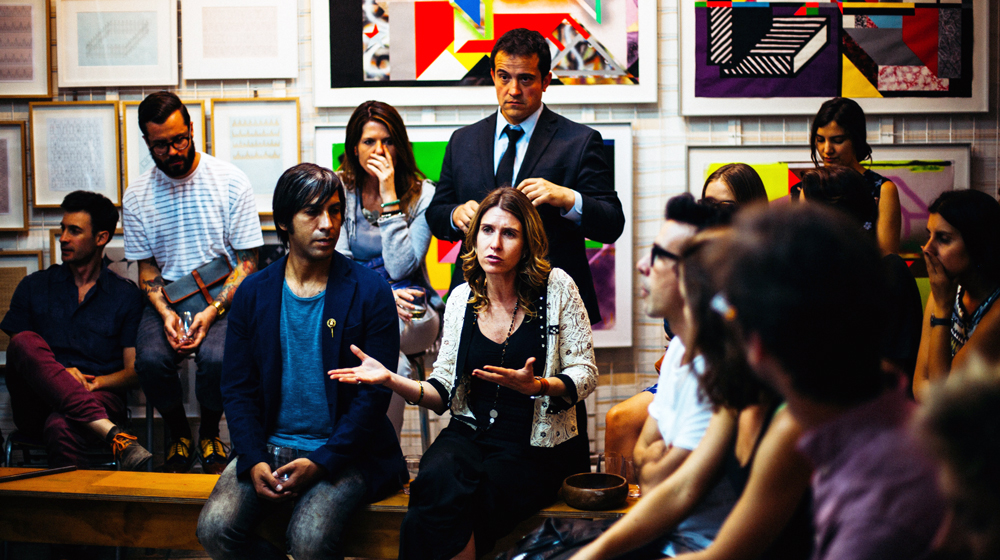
157	510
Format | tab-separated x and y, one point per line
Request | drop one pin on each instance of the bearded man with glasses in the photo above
189	211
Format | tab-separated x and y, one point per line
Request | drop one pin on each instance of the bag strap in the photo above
201	286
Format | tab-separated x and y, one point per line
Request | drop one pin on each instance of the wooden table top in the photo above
191	488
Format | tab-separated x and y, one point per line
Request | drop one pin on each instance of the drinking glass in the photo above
413	466
419	302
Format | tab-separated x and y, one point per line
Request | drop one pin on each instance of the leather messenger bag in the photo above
196	291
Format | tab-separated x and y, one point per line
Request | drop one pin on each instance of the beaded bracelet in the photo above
421	397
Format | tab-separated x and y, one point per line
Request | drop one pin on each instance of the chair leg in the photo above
149	434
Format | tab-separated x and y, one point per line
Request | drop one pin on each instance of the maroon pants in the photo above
50	404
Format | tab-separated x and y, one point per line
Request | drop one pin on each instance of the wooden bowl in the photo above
595	491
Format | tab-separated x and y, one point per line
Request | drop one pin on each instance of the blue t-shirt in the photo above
304	413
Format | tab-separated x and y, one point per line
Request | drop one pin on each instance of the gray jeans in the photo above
226	527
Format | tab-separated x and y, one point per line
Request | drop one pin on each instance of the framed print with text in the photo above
116	42
261	136
610	264
13	177
138	160
14	267
263	46
25	59
74	146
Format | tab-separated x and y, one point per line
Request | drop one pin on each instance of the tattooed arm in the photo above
246	264
151	282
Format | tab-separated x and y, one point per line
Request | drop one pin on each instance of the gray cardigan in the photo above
405	239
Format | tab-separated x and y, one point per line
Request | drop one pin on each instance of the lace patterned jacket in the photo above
569	354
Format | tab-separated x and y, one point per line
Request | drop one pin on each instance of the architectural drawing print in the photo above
256	148
16	58
75	154
117	38
256	36
4	178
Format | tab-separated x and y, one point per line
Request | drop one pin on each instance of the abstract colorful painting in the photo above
875	50
920	172
381	46
610	265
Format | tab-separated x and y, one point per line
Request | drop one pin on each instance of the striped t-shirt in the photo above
185	223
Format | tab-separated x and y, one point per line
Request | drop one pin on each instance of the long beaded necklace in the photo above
503	354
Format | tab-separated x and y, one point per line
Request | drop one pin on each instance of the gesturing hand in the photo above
370	372
462	215
521	380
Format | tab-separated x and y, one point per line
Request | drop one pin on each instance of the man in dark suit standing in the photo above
559	164
300	437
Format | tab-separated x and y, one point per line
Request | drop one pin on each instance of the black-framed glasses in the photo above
180	143
658	251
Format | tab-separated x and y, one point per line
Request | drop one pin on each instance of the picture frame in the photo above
74	146
920	171
437	51
28	71
838	68
261	136
15	265
103	43
13	177
263	46
138	160
611	264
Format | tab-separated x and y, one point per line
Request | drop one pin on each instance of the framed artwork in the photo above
13	177
611	264
138	160
921	172
603	51
74	146
261	137
116	42
25	59
921	56
263	45
272	250
114	255
14	267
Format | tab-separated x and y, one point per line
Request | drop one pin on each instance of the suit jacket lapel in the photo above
340	291
268	335
545	129
486	143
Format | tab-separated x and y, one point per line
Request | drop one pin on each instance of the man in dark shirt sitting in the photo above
72	350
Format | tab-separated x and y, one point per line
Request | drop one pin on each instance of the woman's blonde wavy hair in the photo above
533	267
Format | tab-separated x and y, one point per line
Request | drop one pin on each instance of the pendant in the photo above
493	415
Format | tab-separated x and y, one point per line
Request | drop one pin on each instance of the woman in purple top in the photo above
963	265
839	137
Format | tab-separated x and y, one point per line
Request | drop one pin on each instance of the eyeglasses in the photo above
658	251
180	143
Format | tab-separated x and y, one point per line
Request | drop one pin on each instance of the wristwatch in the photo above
219	308
935	322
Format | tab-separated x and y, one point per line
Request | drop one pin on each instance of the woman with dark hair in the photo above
839	137
734	184
963	265
384	225
771	517
514	435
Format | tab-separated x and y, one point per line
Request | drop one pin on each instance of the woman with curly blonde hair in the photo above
515	365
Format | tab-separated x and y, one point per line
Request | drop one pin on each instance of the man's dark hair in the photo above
523	42
809	284
304	186
976	215
842	188
157	108
685	209
103	214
